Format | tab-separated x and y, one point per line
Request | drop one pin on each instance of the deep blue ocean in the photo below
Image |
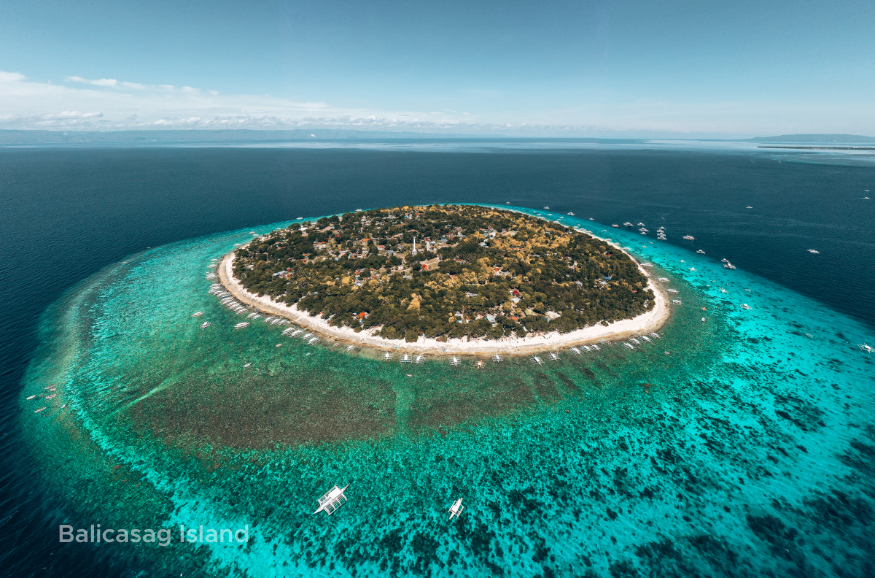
66	213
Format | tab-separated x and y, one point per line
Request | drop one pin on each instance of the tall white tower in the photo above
414	246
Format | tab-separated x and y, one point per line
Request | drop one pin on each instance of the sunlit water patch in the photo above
738	445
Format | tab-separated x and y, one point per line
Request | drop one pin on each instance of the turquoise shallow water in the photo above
748	449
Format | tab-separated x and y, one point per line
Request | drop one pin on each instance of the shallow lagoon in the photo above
749	449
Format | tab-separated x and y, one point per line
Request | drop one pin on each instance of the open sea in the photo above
739	446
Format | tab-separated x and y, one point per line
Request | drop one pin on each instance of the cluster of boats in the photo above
456	361
309	338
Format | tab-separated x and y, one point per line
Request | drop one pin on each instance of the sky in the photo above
562	68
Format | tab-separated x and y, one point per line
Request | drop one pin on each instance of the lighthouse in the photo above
414	246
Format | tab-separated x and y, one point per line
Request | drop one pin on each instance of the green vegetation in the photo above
476	271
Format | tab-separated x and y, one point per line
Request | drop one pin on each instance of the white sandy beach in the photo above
645	323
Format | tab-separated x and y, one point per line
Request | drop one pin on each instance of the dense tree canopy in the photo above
475	271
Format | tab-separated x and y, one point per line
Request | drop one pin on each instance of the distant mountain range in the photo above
35	137
26	137
815	138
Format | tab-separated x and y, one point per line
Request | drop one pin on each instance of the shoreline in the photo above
647	322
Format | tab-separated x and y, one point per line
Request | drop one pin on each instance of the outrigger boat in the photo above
387	356
594	346
197	313
866	348
418	359
554	357
205	324
406	358
455	361
537	360
575	350
496	358
350	348
654	335
745	306
689	238
332	500
627	345
645	338
241	325
635	341
456	509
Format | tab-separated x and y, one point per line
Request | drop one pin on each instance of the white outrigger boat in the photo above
575	350
676	301
627	345
406	358
241	325
654	335
554	357
634	341
197	313
645	338
745	306
456	509
332	500
689	238
594	346
455	361
866	348
349	348
387	356
418	359
496	358
205	324
537	360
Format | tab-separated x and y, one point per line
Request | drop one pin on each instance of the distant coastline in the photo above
818	148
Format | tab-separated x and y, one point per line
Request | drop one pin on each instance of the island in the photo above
450	278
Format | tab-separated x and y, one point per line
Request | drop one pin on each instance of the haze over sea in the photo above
68	212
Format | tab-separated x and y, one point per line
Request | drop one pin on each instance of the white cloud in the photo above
110	104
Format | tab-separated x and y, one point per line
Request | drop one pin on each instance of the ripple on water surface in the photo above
747	448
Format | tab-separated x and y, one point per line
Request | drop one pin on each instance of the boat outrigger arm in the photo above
456	508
